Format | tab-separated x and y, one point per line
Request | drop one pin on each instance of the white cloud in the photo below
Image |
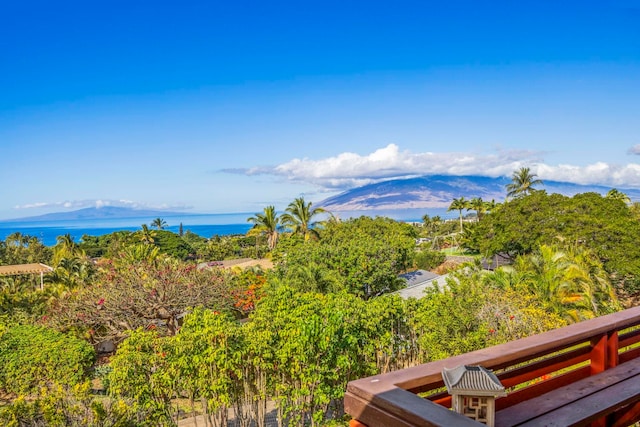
348	170
635	149
32	205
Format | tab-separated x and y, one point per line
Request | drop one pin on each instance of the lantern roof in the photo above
472	381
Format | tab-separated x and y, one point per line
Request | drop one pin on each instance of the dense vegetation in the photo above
230	342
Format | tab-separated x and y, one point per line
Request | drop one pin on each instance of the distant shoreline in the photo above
205	225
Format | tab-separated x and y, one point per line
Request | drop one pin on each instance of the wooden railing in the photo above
527	367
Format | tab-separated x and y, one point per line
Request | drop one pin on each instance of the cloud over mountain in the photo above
349	170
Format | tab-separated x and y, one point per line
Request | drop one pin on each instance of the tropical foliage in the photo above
299	218
194	338
459	205
362	256
32	357
522	183
268	224
605	226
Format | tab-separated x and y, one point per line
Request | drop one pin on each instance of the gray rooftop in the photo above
419	283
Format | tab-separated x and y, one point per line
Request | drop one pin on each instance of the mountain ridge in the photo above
438	191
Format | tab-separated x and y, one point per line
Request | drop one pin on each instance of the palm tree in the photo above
298	216
71	272
17	239
159	223
459	205
490	206
146	235
431	223
478	205
571	281
615	194
139	252
65	247
522	183
267	223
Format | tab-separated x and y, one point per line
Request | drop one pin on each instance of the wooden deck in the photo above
528	368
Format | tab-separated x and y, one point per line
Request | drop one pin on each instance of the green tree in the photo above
136	253
313	345
365	255
146	235
66	248
299	217
140	373
209	354
427	259
478	205
607	227
20	248
459	205
33	356
72	272
266	223
571	282
159	223
522	183
618	195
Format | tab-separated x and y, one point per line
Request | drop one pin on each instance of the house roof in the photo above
417	290
14	270
472	380
414	278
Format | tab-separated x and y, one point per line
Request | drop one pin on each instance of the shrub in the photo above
33	356
427	260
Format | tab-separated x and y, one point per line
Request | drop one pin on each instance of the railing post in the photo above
604	355
604	352
612	349
599	352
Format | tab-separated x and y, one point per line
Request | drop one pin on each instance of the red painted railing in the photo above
527	367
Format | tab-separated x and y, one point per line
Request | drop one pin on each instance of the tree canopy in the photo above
604	225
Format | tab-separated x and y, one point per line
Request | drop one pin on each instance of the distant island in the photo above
104	212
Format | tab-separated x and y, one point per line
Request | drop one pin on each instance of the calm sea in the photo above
207	225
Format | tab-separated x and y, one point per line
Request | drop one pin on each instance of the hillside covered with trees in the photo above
193	337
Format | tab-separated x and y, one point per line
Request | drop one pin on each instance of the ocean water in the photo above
205	225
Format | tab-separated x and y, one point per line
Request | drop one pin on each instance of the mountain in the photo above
100	213
437	191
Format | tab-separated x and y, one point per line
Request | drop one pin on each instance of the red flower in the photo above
101	301
492	331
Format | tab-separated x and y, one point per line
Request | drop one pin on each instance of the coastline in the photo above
205	225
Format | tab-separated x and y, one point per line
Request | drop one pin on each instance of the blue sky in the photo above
219	107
